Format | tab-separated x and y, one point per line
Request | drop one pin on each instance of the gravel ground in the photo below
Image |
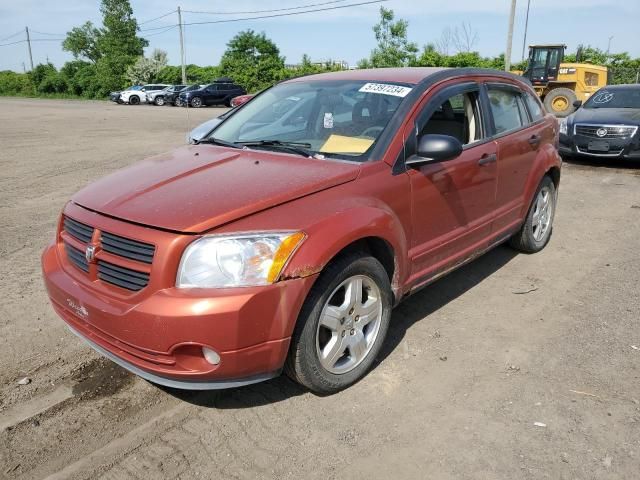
478	380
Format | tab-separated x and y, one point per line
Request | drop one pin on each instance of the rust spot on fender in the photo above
301	272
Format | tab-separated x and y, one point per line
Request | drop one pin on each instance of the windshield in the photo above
615	98
341	119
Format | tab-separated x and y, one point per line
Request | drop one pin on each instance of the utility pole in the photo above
24	68
609	45
29	44
184	72
507	56
526	28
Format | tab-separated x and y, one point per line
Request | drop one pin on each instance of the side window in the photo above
212	88
506	109
458	116
535	110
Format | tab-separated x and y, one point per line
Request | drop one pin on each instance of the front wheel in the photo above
342	325
159	101
536	230
196	102
559	101
134	100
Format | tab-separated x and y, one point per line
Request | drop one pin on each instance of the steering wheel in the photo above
372	132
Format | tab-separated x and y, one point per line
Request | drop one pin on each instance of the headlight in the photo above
563	126
239	260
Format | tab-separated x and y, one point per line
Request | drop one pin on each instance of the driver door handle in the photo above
487	158
534	141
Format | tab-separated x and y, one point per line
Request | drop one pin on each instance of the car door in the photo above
209	95
453	201
518	142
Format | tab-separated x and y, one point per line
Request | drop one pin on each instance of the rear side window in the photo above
507	109
535	110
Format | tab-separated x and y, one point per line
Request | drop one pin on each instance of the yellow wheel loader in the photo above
558	84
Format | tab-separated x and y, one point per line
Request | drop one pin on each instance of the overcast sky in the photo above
343	34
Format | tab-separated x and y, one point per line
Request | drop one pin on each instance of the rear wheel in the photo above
536	230
559	101
196	102
159	101
134	100
342	325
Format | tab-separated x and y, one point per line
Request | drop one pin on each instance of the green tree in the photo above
252	60
83	41
394	49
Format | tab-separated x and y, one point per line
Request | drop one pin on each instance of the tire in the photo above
359	335
120	101
227	102
159	100
533	236
196	102
559	101
134	100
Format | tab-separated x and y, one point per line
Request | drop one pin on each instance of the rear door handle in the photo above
487	158
534	141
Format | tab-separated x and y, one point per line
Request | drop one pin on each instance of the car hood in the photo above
200	187
630	116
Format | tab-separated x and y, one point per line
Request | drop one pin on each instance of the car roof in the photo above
409	75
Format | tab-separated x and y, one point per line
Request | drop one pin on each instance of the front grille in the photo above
121	276
78	230
76	257
125	247
613	131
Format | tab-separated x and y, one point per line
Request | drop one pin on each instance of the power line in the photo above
230	20
11	36
157	18
265	11
12	43
45	33
162	31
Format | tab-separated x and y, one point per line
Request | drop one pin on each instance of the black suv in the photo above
219	92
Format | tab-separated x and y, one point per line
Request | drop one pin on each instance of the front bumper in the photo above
159	334
620	148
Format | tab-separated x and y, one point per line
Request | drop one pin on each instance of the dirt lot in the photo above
472	362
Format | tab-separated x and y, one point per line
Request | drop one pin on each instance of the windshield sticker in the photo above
328	120
603	97
385	89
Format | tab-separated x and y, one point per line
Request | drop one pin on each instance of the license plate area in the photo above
599	146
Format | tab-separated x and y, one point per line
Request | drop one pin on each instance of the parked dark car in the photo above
217	93
174	98
284	238
159	97
606	126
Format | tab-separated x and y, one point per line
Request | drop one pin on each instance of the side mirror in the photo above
577	103
435	148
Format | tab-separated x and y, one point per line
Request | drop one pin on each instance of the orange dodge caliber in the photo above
284	238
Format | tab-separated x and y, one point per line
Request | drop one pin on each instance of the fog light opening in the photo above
210	356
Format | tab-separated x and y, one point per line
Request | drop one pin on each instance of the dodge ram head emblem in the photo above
90	253
602	132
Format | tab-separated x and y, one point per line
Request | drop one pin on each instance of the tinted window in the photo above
505	109
212	88
535	109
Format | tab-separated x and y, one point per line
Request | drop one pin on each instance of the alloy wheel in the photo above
542	214
349	324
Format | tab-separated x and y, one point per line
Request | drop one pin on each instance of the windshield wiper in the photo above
295	147
215	141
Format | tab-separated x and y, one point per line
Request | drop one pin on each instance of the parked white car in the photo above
135	97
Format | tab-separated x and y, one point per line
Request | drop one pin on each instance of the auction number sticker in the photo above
385	89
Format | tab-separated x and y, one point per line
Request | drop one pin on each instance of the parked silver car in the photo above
159	97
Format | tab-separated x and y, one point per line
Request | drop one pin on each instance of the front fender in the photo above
547	159
328	237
